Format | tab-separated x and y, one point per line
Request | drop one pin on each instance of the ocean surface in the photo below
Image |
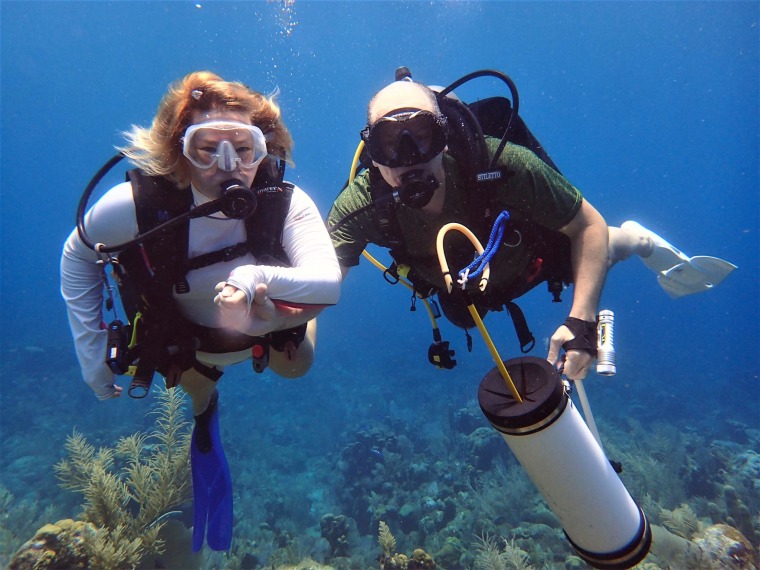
652	109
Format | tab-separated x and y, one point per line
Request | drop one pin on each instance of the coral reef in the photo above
392	560
386	539
334	529
75	545
18	521
739	515
129	492
681	521
489	556
725	547
307	499
306	564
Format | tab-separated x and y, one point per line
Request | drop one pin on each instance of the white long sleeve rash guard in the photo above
313	279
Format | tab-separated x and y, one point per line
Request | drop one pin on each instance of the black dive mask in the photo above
237	201
417	188
406	138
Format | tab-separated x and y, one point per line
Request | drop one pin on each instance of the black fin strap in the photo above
150	355
585	335
279	339
524	335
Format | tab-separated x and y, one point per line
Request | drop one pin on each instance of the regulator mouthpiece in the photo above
239	201
605	344
417	188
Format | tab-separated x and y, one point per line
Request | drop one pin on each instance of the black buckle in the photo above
391	274
229	253
439	355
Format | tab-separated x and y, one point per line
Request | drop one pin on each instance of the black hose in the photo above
515	102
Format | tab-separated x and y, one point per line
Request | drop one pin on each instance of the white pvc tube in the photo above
567	465
571	472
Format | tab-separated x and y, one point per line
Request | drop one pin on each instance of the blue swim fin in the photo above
212	484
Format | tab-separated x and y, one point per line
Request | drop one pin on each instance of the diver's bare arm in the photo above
589	250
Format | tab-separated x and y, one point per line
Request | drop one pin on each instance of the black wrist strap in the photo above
585	335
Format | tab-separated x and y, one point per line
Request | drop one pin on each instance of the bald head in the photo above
401	95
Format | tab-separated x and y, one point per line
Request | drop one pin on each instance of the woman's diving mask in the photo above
226	144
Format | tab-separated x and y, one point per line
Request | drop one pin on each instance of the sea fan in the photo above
386	539
491	557
681	521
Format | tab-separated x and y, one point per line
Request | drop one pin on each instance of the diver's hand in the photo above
262	307
233	305
255	318
577	363
115	393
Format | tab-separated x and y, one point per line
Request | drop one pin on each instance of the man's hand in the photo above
577	362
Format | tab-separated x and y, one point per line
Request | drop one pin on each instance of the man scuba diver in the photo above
424	174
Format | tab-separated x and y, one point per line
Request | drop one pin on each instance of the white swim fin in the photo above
677	273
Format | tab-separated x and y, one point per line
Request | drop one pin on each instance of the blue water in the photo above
651	108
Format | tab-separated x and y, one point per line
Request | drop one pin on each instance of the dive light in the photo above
605	346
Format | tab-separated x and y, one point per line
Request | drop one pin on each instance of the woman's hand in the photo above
257	317
233	305
116	393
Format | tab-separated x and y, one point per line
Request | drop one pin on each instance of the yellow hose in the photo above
355	161
370	258
442	256
449	282
470	306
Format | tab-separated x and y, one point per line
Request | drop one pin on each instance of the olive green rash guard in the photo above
531	191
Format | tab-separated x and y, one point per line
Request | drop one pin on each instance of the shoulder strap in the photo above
158	200
265	226
465	139
467	144
385	211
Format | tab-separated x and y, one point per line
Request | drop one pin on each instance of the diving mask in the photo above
226	144
406	138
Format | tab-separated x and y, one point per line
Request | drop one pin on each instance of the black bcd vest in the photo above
468	125
148	274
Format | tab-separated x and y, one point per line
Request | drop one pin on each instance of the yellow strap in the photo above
135	322
406	284
355	161
449	282
368	256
